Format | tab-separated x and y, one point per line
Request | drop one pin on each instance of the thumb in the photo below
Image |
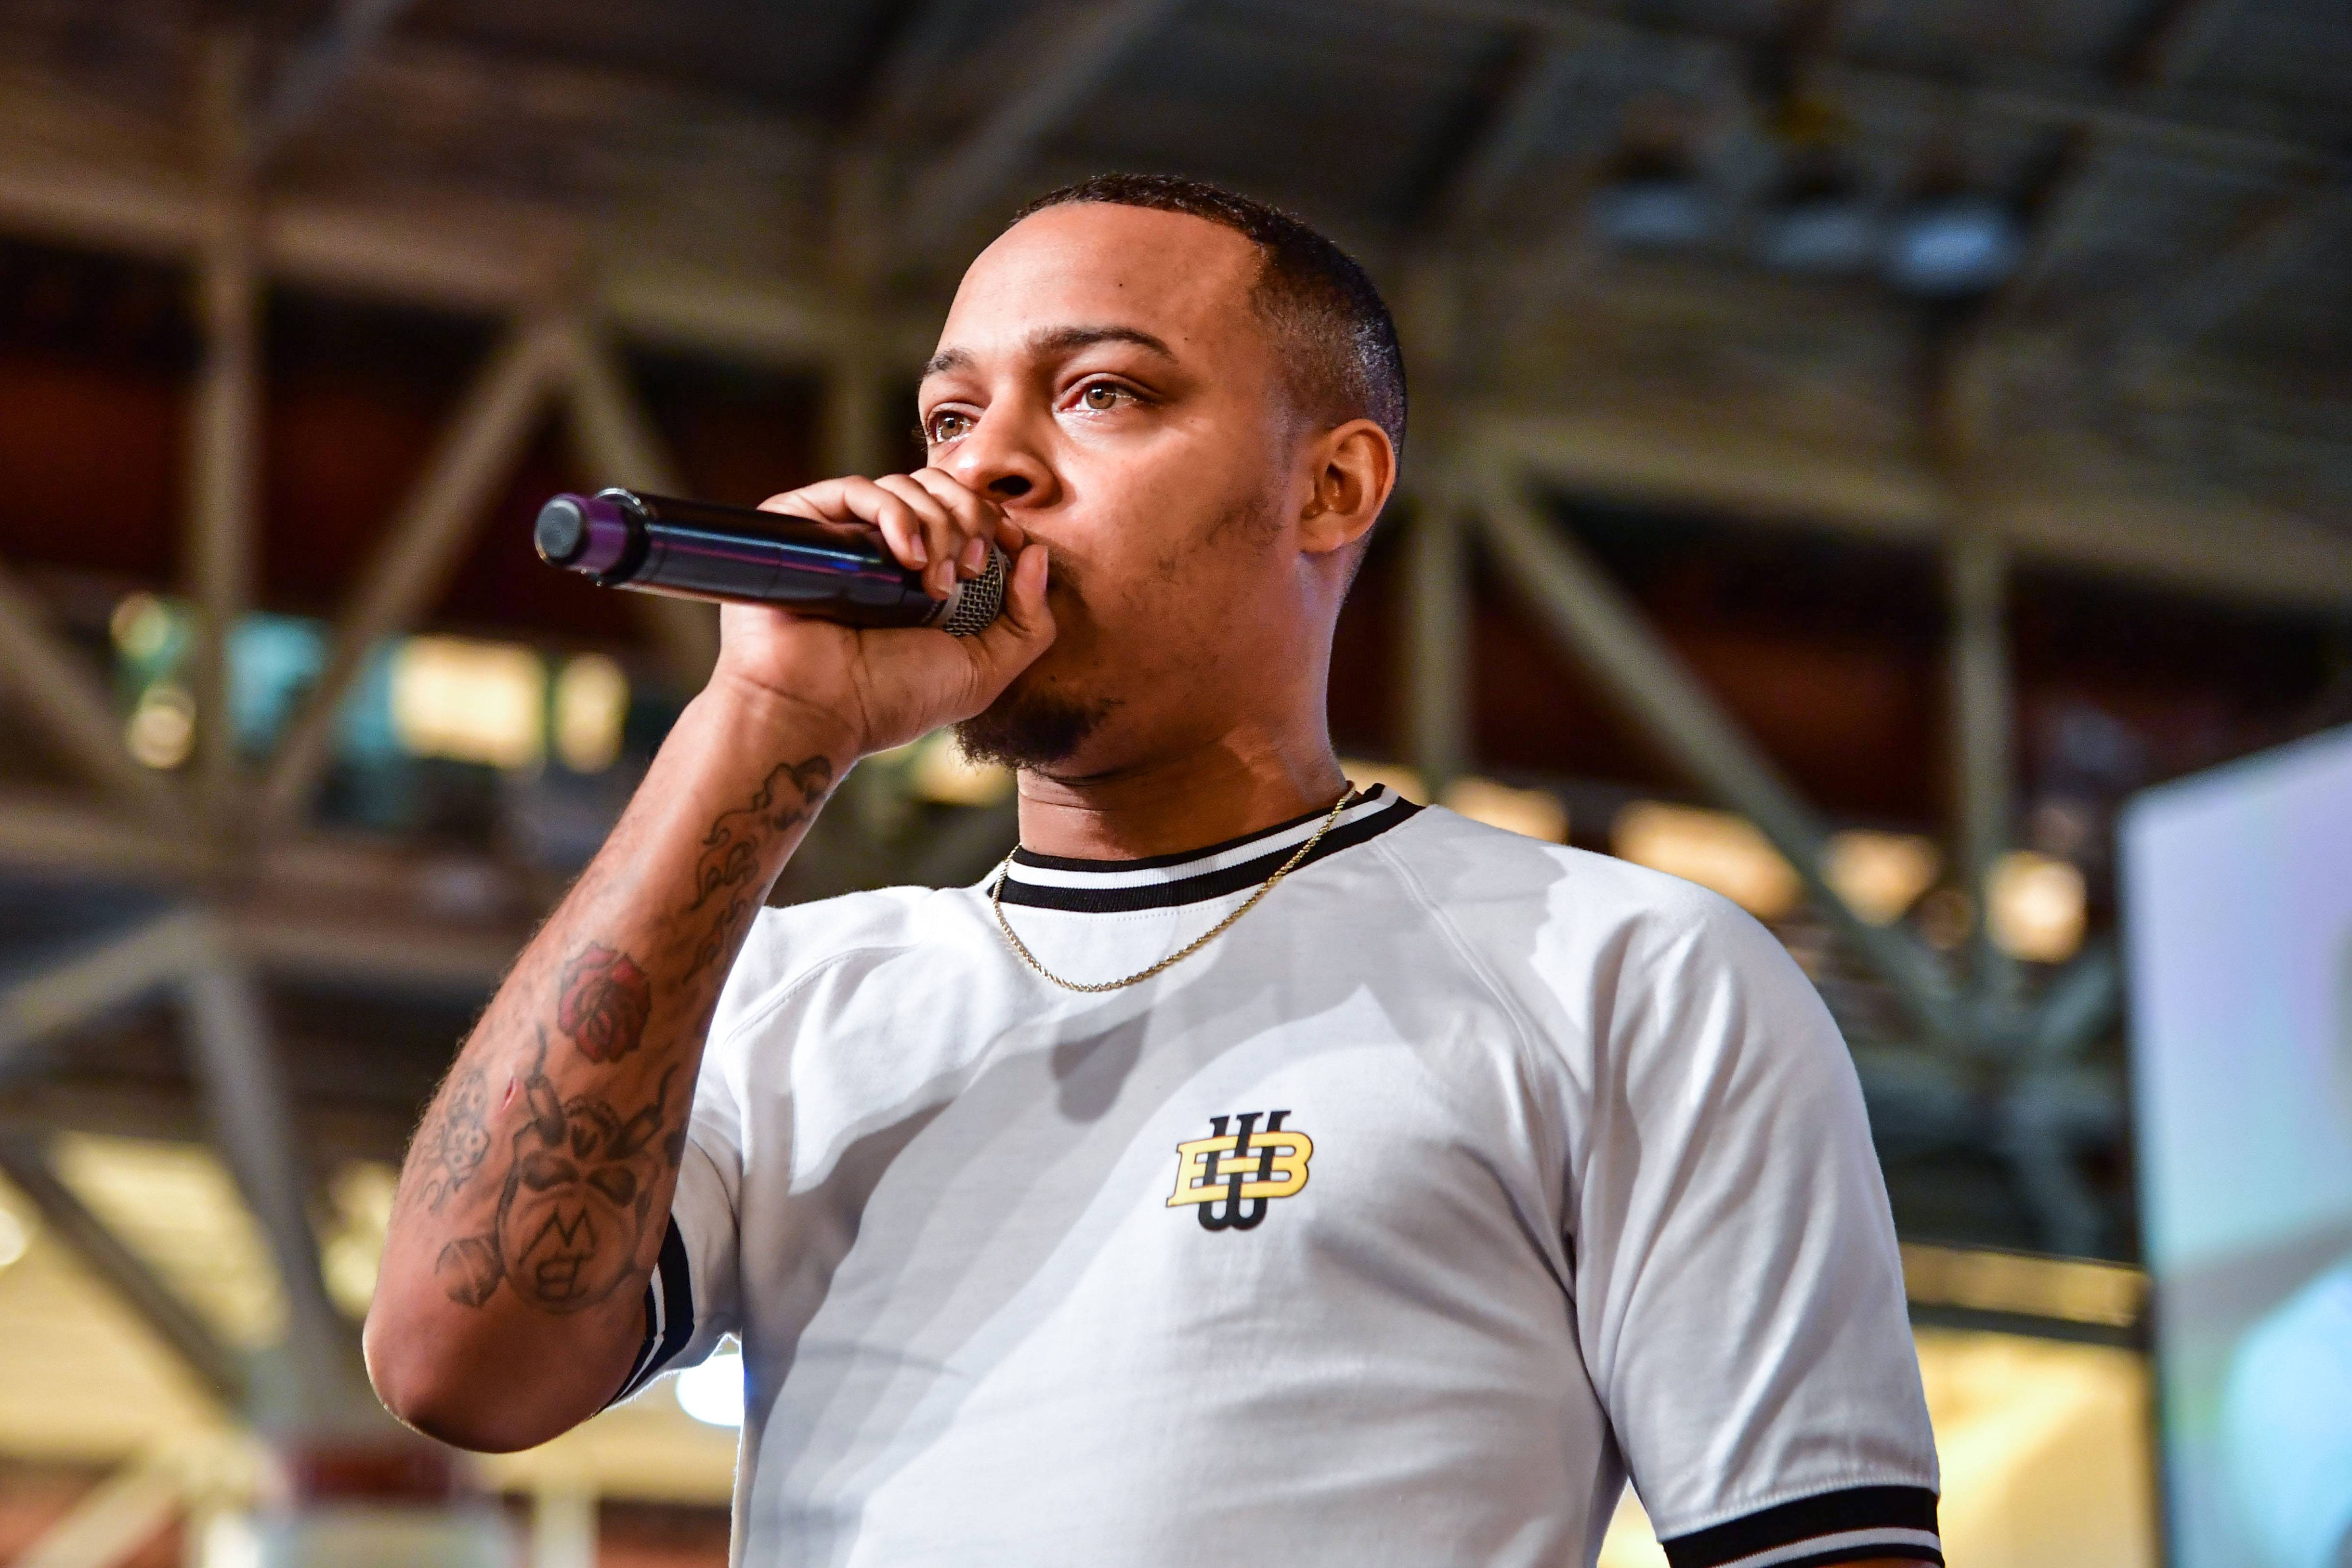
1019	633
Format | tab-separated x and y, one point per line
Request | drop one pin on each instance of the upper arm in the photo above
1738	1293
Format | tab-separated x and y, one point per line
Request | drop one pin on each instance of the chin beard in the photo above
1028	728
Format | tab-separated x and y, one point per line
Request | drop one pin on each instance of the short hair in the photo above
1332	330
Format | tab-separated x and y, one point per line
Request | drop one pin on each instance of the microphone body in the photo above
699	550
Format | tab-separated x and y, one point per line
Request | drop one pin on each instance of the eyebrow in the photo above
1056	341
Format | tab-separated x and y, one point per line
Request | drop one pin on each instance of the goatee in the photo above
1028	728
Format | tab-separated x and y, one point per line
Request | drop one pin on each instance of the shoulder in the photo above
1507	891
789	946
1588	947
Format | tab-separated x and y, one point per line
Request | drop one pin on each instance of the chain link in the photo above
996	903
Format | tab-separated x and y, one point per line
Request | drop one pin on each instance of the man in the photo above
1253	1169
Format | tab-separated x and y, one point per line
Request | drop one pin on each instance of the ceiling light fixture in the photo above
1946	244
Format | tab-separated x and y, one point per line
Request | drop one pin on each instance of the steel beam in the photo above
2244	551
53	834
225	430
2020	92
2046	1119
2177	310
1065	70
109	1524
1982	719
72	991
484	438
318	69
57	692
617	443
1604	632
563	1526
1438	670
25	1160
923	47
473	255
1509	135
252	1116
2181	38
2178	40
2080	1000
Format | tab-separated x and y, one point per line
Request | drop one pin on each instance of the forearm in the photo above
533	1200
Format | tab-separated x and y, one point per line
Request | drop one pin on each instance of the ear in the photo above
1351	469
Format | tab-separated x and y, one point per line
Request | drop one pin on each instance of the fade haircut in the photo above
1331	329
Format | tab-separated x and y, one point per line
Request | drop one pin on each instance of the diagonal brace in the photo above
25	1160
1598	626
484	438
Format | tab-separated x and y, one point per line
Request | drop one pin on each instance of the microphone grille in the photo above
977	603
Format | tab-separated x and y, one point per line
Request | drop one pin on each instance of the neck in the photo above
1241	783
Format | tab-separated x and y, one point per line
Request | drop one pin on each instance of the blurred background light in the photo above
469	701
143	627
1950	245
1654	207
178	1208
1713	848
16	1236
352	1249
713	1391
1536	813
939	772
162	729
2037	907
591	708
1881	875
1395	777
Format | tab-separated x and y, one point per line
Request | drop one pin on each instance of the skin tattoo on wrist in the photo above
732	850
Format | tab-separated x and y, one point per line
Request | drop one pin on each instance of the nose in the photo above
1001	459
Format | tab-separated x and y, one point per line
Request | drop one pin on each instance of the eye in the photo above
543	1171
617	1183
947	425
1102	396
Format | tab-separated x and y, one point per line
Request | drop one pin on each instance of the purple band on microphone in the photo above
608	534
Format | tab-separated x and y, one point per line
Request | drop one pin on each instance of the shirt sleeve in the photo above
1738	1293
692	1299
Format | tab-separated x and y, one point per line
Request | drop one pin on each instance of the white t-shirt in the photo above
1463	1177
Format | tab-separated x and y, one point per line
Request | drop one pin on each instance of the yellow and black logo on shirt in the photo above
1242	1170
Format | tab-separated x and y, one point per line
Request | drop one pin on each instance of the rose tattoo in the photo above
605	1003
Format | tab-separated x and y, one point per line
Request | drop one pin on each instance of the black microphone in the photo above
698	550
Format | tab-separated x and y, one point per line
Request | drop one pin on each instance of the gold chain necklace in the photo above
996	903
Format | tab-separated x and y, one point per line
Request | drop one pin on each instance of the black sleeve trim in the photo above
669	1314
1857	1524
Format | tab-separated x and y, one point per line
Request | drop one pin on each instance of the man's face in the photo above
1104	376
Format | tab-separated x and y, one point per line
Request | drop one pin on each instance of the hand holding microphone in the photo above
850	560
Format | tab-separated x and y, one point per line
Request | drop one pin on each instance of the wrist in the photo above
778	721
